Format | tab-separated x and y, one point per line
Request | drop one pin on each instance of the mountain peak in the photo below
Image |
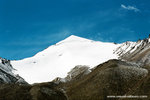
73	38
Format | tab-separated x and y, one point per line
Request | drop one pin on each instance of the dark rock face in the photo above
114	77
7	75
43	91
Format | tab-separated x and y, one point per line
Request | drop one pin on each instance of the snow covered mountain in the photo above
78	64
58	59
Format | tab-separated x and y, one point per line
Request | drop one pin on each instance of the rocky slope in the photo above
114	77
137	52
77	72
7	75
43	91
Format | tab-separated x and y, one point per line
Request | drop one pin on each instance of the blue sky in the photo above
29	26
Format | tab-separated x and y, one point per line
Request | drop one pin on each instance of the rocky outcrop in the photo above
7	75
77	72
138	52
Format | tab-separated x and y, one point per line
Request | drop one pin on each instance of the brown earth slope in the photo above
43	91
114	77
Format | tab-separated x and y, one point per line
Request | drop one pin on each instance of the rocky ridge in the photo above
137	52
7	75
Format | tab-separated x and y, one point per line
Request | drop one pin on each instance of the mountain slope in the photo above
137	52
42	91
57	60
6	73
112	78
